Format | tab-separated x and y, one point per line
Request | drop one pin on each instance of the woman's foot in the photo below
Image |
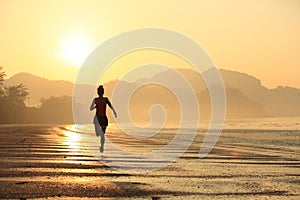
101	149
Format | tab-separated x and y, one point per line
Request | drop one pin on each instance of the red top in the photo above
101	105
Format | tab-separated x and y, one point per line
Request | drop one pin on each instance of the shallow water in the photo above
253	159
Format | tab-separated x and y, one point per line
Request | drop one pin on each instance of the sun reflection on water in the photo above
72	140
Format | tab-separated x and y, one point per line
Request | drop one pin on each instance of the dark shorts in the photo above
103	121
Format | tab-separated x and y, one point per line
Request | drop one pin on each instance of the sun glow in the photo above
74	49
72	140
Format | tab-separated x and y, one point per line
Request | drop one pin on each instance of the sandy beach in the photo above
43	161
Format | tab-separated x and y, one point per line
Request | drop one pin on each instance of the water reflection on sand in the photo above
252	160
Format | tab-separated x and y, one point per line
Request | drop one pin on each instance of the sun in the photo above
74	49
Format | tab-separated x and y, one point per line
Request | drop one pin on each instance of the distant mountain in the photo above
39	88
246	96
278	102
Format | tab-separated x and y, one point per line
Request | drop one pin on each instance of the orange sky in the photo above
258	37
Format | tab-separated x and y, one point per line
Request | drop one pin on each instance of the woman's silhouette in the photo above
100	120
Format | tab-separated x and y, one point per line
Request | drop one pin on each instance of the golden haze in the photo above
257	37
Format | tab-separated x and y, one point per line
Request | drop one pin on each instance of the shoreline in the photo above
38	161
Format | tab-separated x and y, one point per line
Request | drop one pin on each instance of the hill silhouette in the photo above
246	96
41	88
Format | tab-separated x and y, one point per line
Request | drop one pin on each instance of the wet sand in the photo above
41	162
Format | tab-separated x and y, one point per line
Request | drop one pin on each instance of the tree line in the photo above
13	110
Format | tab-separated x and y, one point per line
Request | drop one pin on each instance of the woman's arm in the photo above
112	108
93	105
